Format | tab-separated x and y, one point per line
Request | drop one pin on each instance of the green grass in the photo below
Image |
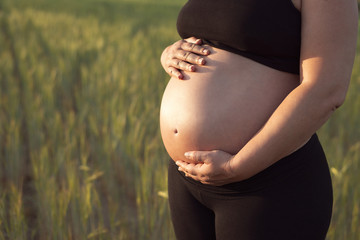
80	150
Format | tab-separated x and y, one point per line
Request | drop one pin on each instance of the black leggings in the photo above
290	200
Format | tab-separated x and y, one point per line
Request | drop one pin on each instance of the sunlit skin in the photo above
329	30
220	106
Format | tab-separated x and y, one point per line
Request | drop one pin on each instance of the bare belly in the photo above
221	105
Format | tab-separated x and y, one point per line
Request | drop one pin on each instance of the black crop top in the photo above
268	32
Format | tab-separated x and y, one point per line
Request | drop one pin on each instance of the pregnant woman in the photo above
251	82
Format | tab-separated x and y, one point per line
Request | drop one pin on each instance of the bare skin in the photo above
329	32
184	55
221	105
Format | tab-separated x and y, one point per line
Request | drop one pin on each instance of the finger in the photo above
211	180
190	169
205	179
212	183
182	65
182	166
191	47
190	57
198	41
174	73
198	156
194	40
195	177
180	169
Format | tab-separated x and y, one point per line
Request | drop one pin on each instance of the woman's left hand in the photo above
209	167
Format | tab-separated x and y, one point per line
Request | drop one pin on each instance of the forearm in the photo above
296	119
328	45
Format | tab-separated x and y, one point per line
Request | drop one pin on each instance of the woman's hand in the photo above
210	167
183	55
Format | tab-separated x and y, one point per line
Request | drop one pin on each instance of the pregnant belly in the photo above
221	105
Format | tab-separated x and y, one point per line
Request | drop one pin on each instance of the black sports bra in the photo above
268	32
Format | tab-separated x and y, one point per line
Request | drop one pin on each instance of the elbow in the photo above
338	101
329	96
336	97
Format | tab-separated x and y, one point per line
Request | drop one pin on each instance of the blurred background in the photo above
80	150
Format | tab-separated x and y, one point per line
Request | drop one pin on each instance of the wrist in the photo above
235	170
241	168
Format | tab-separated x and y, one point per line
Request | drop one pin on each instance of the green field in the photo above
80	150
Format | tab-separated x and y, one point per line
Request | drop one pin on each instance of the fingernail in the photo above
201	61
187	154
192	68
206	51
177	163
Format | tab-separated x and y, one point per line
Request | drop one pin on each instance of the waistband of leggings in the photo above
268	176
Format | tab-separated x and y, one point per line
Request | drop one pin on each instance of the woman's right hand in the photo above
183	55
